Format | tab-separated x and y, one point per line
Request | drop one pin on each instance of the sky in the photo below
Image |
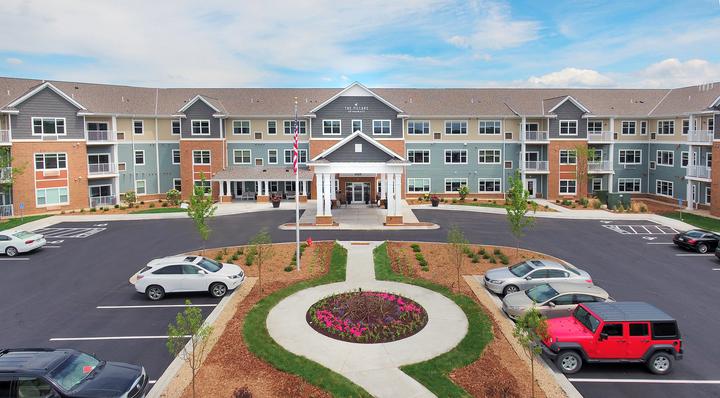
380	43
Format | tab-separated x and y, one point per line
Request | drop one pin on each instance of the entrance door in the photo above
358	190
530	184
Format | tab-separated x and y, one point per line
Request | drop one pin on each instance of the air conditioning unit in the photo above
652	165
121	136
437	136
258	135
508	135
615	136
508	164
653	135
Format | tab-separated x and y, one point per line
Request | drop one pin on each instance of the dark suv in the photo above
614	332
60	373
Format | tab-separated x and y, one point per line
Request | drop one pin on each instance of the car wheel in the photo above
510	289
569	362
155	292
218	289
702	248
11	251
660	363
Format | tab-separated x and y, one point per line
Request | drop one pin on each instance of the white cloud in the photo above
674	73
13	61
571	77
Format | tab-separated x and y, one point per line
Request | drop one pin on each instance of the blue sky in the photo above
417	43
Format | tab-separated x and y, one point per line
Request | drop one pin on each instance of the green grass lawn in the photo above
703	222
478	204
15	222
433	373
261	344
160	210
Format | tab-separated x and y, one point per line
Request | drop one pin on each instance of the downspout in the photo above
157	154
116	159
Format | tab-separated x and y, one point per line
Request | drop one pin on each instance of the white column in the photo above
390	194
611	186
688	189
326	195
332	187
523	120
318	194
398	193
383	185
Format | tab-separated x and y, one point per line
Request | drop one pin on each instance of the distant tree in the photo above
201	209
458	246
189	323
130	198
262	249
463	192
529	330
173	197
516	206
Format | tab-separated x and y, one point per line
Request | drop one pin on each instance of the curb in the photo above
291	227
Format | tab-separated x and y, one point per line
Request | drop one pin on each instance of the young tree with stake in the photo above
530	329
261	246
189	323
517	209
201	209
458	244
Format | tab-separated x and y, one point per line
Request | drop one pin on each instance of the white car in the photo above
15	242
187	274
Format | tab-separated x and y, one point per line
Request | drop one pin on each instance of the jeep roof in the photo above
627	311
31	360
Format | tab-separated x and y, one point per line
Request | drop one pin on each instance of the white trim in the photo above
411	141
592	183
407	128
560	192
389	122
179	133
346	89
300	152
261	163
300	123
429	152
446	152
567	154
657	126
407	182
644	122
332	127
499	151
461	179
658	152
634	129
445	126
277	156
493	180
135	157
144	187
573	100
629	179
201	121
249	126
40	88
670	184
42	126
708	192
209	152
350	137
630	149
490	121
267	127
593	120
172	156
249	151
352	125
575	122
142	126
67	191
173	183
688	159
192	101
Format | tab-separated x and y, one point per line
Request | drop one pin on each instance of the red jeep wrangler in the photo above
614	332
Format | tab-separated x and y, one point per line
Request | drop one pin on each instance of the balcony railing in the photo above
603	165
536	165
600	136
101	136
537	136
698	172
99	201
6	210
4	136
101	168
700	136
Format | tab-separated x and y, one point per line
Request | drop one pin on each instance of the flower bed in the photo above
367	317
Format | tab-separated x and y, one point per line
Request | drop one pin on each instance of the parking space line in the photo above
113	307
111	338
51	247
695	255
660	243
660	381
14	259
716	269
633	229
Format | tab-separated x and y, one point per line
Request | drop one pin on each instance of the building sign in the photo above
355	108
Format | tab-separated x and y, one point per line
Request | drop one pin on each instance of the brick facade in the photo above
189	172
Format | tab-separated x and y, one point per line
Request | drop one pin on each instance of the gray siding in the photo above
370	153
47	103
568	111
168	170
717	126
260	150
200	110
338	109
145	172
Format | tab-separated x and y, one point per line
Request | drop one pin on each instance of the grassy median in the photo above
18	221
709	223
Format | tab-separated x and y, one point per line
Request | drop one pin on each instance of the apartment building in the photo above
74	145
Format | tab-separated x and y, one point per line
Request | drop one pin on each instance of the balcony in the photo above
603	166
537	166
700	137
537	136
101	169
100	201
600	136
700	172
95	137
4	137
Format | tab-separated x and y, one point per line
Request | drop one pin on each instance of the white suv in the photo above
187	274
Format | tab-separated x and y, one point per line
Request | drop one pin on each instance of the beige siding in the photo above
126	125
260	125
165	130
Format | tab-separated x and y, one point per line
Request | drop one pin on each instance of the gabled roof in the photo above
571	99
41	87
349	138
213	103
355	86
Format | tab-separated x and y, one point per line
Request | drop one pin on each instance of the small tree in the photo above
261	248
189	323
530	329
583	155
517	209
458	245
201	208
130	198
463	192
173	197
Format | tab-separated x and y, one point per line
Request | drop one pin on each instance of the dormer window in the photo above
48	125
200	127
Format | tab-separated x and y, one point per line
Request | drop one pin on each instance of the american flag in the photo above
295	143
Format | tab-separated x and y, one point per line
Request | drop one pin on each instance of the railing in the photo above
4	136
698	171
6	210
96	201
603	165
101	136
600	136
536	165
6	174
101	168
537	136
702	136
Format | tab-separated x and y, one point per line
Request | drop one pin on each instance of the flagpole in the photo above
296	153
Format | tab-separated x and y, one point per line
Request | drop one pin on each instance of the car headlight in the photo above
497	282
515	307
234	276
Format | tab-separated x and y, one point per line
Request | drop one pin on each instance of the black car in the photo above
697	239
60	373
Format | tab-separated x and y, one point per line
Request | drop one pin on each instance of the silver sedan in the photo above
552	300
531	273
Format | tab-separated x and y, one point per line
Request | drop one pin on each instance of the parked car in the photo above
187	274
14	242
553	300
67	373
614	332
697	239
531	273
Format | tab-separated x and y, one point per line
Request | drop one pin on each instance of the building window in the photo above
241	156
684	156
594	126
201	156
175	156
418	156
597	184
664	188
568	187
454	184
532	126
568	156
708	159
666	127
630	156
643	127
272	127
48	125
455	156
302	156
50	161
241	127
381	127
356	125
140	187
628	185
418	185
272	156
177	184
418	127
711	124
51	196
138	127
488	156
628	128
139	157
708	196
200	127
331	127
205	184
665	158
489	185
489	127
685	126
568	127
289	127
455	127
100	191
175	127
595	155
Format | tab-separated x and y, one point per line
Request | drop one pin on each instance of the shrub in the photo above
288	268
573	205
230	261
497	251
596	204
492	260
423	263
93	210
419	256
165	204
425	269
482	251
82	210
567	202
239	251
152	205
234	257
547	207
504	259
584	202
117	206
619	207
487	256
218	257
130	198
415	247
643	208
142	203
557	201
475	259
474	199
173	196
454	201
62	212
463	192
249	259
105	209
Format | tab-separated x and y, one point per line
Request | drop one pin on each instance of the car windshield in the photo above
23	234
541	293
586	318
694	234
520	269
74	370
210	265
